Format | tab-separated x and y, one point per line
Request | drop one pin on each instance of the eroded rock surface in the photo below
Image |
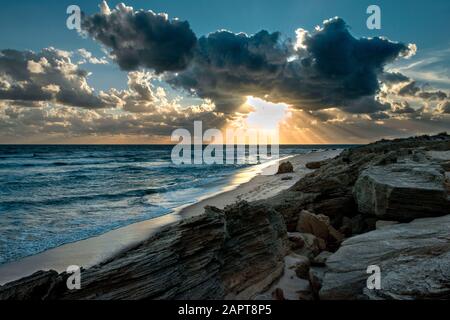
414	259
231	253
402	191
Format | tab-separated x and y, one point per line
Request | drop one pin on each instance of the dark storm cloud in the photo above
142	38
227	67
27	77
333	69
329	68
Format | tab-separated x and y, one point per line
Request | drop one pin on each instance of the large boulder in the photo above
402	191
414	259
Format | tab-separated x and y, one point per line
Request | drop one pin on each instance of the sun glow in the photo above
265	115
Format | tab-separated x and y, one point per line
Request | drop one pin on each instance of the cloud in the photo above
412	89
142	38
402	108
328	68
444	107
87	57
49	75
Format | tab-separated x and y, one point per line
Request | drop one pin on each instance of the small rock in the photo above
285	167
302	269
314	165
286	178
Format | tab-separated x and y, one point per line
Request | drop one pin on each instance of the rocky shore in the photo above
385	204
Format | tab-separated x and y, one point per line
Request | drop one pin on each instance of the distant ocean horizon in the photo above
51	195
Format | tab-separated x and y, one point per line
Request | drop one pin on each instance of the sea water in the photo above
52	195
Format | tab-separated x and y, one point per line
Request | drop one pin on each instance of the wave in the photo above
137	193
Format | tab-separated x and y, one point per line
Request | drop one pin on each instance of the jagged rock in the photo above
414	259
38	286
285	167
402	191
231	253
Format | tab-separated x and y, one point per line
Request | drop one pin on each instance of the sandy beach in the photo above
92	251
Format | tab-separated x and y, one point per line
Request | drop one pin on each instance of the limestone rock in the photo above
231	253
402	191
414	259
329	189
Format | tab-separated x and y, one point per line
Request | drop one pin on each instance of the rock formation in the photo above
402	191
414	259
231	253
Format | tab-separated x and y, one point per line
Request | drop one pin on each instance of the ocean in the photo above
53	195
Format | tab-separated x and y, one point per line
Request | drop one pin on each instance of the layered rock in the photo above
414	259
231	253
402	191
329	189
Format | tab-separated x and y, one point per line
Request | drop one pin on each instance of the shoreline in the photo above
92	251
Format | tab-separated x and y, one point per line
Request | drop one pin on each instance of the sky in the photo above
310	68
